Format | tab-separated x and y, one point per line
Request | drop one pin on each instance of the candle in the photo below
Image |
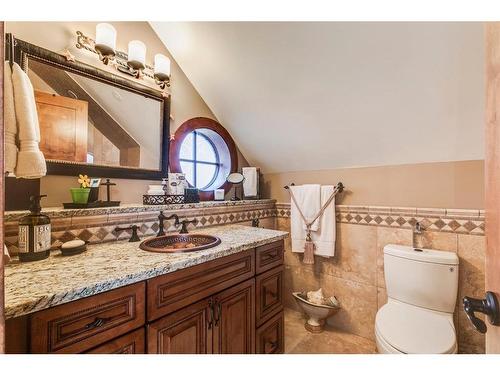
137	54
162	65
105	35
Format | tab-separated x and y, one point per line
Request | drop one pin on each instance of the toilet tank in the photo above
421	277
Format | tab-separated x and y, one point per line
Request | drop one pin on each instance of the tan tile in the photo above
295	331
387	236
471	251
355	254
431	212
283	224
406	211
298	279
334	342
381	297
452	212
384	210
61	223
437	241
88	221
358	305
268	223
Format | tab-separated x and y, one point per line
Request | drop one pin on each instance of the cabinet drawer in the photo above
270	336
178	289
269	294
78	326
269	256
131	343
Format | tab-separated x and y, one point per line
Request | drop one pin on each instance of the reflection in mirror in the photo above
86	121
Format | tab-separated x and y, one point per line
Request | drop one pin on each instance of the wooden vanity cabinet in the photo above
221	306
223	323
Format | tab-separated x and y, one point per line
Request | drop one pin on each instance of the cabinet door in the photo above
269	294
270	336
234	322
63	127
183	332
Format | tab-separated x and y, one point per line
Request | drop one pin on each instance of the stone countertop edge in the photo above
60	212
26	289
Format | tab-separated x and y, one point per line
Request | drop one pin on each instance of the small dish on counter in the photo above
73	247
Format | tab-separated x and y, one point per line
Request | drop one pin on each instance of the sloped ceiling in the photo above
308	96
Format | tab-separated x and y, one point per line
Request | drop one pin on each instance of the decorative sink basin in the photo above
176	243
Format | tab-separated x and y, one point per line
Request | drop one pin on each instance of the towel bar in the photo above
339	188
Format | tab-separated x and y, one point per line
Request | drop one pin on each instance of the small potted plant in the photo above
81	194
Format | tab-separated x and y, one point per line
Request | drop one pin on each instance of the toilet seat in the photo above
404	328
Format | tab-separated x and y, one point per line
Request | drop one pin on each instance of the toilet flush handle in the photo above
488	306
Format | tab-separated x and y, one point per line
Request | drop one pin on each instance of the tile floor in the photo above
330	341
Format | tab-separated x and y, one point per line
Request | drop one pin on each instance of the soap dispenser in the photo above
34	233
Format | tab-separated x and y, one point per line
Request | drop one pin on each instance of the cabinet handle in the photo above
211	308
268	256
98	322
219	311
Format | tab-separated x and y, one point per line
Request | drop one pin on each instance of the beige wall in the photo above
57	36
444	185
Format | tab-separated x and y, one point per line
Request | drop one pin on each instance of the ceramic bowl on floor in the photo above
317	314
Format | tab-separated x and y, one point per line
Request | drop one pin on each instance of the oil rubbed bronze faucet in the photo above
183	223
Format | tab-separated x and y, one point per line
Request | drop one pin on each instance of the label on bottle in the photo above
41	238
23	239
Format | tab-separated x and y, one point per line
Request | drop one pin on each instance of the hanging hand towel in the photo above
9	116
250	182
30	160
308	197
324	238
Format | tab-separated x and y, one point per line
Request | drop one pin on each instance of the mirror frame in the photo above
20	51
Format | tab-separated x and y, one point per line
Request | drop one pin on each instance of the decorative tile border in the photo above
59	212
432	219
101	228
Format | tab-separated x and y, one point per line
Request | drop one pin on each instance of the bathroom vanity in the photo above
116	298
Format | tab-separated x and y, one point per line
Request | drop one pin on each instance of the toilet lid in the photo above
415	330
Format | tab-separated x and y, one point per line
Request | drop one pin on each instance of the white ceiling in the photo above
307	96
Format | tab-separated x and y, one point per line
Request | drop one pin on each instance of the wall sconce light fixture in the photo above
133	63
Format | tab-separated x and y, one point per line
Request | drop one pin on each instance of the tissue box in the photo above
177	183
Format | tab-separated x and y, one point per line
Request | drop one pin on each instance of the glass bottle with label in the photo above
34	233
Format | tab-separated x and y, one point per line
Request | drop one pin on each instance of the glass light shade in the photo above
105	35
137	53
162	65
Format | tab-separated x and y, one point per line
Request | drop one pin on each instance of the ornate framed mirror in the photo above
93	121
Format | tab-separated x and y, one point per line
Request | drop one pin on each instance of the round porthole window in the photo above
205	152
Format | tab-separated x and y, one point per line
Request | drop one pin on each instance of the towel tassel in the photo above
308	248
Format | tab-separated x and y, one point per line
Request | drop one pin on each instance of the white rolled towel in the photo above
9	115
30	160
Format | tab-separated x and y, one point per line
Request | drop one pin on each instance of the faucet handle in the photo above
185	223
134	237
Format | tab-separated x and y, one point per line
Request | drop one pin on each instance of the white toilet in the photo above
422	291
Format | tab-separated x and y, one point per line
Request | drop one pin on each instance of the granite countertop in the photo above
35	286
60	212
